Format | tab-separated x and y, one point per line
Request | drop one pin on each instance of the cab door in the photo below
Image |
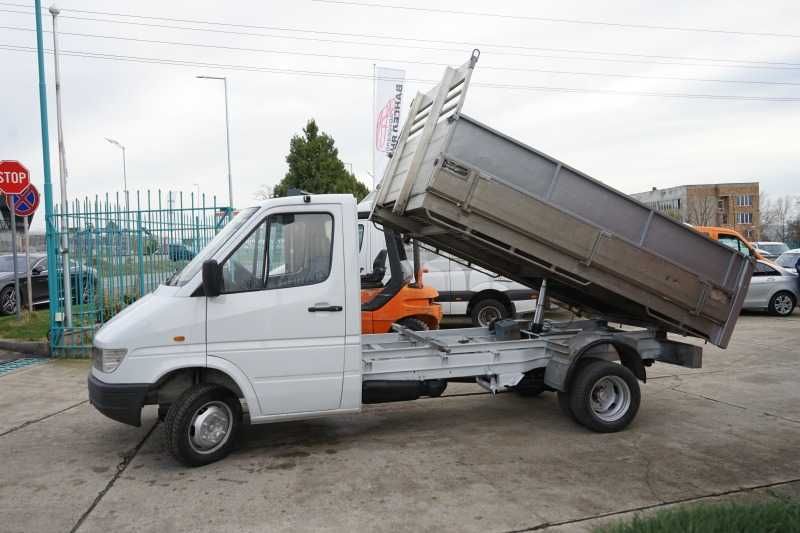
281	317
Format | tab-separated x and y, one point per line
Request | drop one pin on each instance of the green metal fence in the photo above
120	248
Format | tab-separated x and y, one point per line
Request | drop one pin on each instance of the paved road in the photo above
466	462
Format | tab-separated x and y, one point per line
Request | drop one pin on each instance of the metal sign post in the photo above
28	263
12	216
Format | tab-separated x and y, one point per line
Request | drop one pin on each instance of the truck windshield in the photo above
182	277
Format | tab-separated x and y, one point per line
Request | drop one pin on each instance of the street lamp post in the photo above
227	135
62	172
124	169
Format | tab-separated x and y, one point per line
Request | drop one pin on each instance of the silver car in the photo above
773	288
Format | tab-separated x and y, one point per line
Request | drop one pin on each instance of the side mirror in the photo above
212	278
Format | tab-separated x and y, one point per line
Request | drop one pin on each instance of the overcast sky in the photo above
173	124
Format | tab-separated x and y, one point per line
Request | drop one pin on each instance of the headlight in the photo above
107	359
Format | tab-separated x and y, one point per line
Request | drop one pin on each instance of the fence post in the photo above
140	250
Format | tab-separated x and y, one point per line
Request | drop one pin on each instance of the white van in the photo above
463	291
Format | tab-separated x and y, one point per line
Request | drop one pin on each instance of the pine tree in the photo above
314	166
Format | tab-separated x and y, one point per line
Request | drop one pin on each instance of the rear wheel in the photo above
604	396
782	303
487	310
414	324
203	424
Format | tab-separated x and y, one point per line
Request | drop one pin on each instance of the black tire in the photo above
163	410
619	388
781	304
414	324
487	310
8	301
194	402
563	403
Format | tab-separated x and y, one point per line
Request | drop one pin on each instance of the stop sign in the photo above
13	177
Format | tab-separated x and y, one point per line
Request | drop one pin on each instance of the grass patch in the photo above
766	517
31	327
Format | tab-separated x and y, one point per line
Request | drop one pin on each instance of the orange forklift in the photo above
403	299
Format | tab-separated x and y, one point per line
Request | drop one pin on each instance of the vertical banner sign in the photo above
388	106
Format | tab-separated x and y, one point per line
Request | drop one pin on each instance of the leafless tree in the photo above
702	211
265	192
777	215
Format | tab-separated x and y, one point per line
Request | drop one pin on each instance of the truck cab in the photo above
279	328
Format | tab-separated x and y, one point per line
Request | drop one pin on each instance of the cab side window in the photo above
736	244
300	249
244	269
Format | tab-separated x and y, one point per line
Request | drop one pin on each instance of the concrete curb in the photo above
35	348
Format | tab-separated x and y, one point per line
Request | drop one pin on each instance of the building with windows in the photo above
730	205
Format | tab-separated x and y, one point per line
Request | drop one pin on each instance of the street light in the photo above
227	135
124	170
62	173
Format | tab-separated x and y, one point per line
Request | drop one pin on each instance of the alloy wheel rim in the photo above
211	427
610	398
9	302
783	304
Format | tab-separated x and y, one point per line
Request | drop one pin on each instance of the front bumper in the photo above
122	402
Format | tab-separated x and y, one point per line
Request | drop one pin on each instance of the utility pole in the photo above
62	172
227	135
48	185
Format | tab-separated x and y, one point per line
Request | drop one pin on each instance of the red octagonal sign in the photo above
13	177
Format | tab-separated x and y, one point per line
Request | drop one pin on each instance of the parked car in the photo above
179	252
774	289
730	238
770	249
790	259
84	280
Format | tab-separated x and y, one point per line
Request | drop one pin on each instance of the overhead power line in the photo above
326	74
559	20
502	47
402	61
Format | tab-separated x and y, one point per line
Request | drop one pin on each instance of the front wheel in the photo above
782	303
414	324
604	396
8	301
203	425
487	310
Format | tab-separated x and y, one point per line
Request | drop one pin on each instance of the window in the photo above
762	269
299	249
285	250
744	218
733	242
744	200
788	260
244	269
360	236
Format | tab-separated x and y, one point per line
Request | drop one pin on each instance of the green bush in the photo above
767	517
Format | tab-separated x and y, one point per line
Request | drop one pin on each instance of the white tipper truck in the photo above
263	325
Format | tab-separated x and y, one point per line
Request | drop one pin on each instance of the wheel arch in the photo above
490	294
174	382
560	373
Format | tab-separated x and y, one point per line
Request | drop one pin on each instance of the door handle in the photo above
329	308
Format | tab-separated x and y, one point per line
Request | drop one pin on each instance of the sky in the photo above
608	104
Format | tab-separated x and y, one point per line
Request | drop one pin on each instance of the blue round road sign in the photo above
26	202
